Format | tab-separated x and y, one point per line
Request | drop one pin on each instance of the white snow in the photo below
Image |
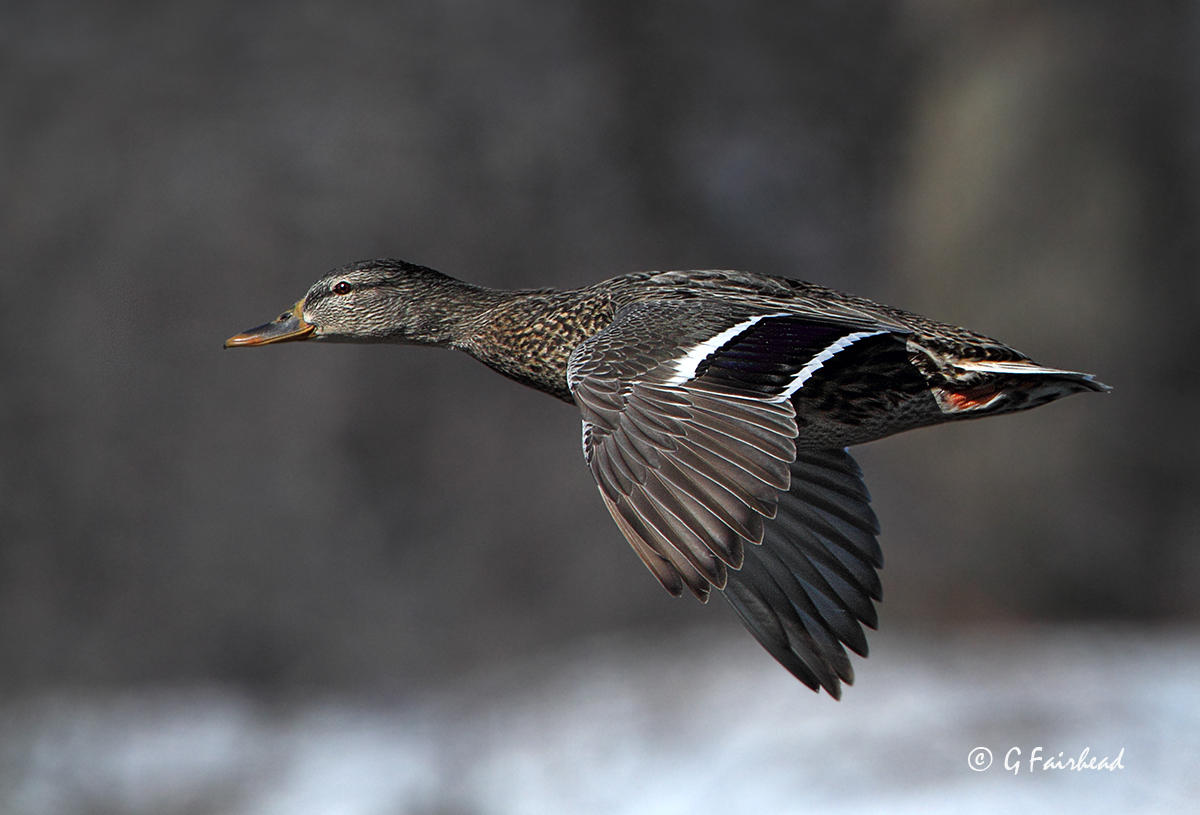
677	727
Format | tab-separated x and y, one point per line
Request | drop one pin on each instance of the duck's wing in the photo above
809	588
689	428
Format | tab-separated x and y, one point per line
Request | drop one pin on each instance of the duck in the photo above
717	411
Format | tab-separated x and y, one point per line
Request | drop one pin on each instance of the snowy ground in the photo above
611	728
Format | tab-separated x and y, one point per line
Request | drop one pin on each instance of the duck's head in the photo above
370	301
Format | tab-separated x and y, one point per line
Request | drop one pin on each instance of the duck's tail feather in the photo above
1002	386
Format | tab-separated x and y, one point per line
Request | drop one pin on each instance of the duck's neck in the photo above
529	335
450	311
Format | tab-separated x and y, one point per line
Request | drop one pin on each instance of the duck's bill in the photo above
286	327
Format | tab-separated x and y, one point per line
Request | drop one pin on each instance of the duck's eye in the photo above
342	287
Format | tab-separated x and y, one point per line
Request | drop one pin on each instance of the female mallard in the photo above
717	406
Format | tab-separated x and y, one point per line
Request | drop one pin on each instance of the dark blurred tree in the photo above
378	517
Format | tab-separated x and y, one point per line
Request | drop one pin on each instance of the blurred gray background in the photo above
377	520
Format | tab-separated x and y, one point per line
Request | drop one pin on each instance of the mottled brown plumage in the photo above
716	408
